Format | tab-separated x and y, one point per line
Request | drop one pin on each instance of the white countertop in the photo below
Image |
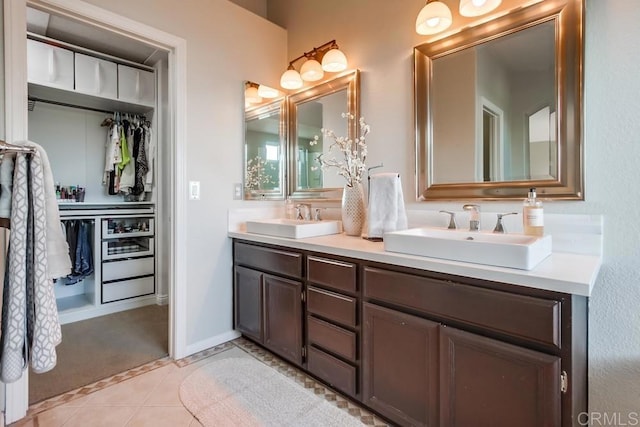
561	272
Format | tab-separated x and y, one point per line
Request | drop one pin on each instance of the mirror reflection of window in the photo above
263	153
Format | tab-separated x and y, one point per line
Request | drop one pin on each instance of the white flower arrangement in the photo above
256	175
351	153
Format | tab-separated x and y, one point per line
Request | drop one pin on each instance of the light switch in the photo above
194	190
237	191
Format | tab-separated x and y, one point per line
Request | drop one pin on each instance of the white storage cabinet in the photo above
96	76
128	260
49	65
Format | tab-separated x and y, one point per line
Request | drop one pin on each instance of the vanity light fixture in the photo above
434	17
268	92
251	94
471	8
327	57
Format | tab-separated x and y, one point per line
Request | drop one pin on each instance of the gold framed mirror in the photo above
498	107
265	150
309	111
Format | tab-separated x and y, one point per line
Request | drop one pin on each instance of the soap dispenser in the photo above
289	209
533	215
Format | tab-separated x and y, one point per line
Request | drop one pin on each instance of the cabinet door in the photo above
283	317
136	86
96	76
484	382
400	362
49	65
248	302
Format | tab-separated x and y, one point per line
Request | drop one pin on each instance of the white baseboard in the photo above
211	342
162	299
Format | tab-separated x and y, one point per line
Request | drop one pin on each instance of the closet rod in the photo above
64	104
5	147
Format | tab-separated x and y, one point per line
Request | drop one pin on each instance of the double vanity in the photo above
418	339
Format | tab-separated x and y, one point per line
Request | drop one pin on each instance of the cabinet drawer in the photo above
332	306
335	372
331	273
530	318
124	289
332	338
115	270
266	259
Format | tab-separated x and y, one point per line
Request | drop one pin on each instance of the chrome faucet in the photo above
452	220
499	228
303	211
474	218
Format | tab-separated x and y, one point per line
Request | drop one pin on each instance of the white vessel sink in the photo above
503	250
293	228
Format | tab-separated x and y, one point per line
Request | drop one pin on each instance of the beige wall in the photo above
378	36
225	46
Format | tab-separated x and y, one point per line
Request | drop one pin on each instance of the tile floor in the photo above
149	395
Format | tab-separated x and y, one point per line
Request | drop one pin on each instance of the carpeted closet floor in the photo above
101	347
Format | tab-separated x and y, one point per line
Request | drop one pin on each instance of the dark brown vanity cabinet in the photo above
268	307
438	352
419	348
400	366
333	323
488	382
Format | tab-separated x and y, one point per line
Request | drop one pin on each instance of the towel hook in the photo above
369	178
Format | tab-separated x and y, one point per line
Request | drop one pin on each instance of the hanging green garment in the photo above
124	148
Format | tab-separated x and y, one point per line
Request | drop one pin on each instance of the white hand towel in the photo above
386	204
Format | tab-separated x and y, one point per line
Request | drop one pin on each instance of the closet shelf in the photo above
72	98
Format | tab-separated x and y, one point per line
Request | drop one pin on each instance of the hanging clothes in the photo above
129	154
127	177
78	233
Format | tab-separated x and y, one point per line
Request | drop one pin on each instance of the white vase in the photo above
353	211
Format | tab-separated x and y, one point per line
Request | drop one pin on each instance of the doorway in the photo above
16	402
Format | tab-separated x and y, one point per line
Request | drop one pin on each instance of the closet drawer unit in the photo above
124	227
530	318
115	270
136	85
49	65
124	289
332	338
331	273
267	259
335	372
124	248
96	76
332	306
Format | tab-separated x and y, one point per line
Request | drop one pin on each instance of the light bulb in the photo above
267	92
251	95
291	80
470	8
311	71
433	18
334	60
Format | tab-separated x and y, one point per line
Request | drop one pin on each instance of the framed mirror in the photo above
498	107
265	149
310	110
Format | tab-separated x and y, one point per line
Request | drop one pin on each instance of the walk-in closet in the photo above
96	105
